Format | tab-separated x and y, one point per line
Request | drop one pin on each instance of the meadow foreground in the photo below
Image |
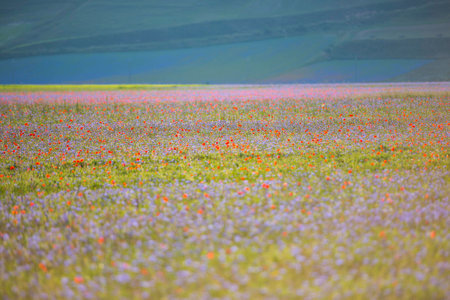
251	192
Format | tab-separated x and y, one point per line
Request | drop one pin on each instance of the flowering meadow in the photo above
226	192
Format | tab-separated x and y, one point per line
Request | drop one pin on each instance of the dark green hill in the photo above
360	30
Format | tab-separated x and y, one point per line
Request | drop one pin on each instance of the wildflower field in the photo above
226	192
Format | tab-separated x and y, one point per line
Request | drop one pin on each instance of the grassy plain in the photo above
276	191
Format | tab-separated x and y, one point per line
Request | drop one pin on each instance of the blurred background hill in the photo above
212	41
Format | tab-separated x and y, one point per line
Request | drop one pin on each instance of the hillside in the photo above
356	30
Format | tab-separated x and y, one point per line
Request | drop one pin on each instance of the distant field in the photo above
225	192
437	70
439	30
356	70
417	48
268	61
236	63
287	60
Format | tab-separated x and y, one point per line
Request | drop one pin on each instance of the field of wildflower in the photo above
226	192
